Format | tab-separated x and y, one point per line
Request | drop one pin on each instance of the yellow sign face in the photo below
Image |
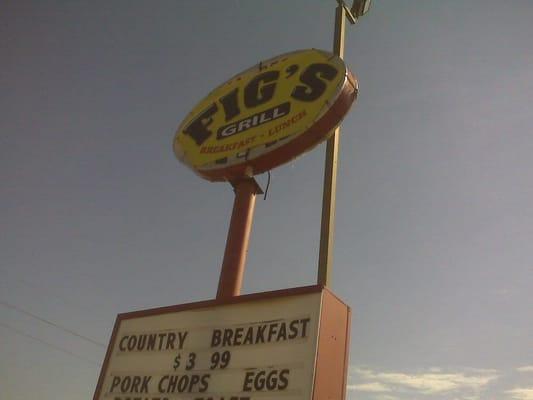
258	119
263	349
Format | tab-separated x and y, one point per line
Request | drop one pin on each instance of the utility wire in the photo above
268	185
52	324
19	332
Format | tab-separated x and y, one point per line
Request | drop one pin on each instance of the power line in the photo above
19	332
52	324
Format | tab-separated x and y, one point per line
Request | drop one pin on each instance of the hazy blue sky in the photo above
434	248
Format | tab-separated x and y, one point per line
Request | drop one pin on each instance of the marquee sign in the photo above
289	344
266	115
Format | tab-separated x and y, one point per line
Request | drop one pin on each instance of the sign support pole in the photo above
232	271
325	257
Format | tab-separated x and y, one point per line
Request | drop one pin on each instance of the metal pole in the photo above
325	257
232	271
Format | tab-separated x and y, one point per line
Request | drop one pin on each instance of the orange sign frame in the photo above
330	362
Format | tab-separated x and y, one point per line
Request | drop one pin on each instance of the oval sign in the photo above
266	115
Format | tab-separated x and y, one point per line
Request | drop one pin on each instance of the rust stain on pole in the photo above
325	257
232	271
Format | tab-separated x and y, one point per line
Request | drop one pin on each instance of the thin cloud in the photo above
521	393
525	368
386	397
374	387
430	382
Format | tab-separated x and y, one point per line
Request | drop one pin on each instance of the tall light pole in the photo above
325	256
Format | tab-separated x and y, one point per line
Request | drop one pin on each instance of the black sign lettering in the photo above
197	129
215	337
252	121
264	380
249	339
284	379
304	323
130	384
260	89
278	331
313	77
183	383
260	334
153	341
230	104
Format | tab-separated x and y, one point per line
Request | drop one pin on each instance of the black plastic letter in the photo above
313	77
197	129
254	94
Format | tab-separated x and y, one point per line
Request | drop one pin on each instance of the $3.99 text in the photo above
219	359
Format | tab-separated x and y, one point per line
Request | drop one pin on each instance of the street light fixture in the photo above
359	8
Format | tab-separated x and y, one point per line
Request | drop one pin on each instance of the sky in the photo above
434	232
